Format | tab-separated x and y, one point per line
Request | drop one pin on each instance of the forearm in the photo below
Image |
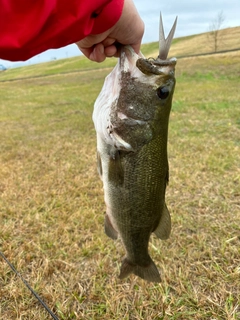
30	27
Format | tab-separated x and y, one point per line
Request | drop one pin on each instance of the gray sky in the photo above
194	16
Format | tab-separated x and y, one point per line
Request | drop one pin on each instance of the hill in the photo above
184	46
229	39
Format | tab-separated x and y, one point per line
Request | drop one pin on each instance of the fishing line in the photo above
29	287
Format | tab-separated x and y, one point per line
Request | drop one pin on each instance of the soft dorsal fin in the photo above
163	229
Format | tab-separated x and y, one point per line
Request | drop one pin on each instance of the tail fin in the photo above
149	273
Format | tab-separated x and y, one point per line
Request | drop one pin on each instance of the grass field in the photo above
52	208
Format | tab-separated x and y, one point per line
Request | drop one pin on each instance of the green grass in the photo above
52	207
75	64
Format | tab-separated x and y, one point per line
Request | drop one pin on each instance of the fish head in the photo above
135	101
147	83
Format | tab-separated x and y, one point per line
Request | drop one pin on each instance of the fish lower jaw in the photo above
168	62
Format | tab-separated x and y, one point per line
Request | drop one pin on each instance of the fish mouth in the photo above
157	66
129	60
160	66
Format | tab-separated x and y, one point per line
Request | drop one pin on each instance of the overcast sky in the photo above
194	16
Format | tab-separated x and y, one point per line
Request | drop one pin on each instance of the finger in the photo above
108	41
98	54
85	51
136	47
110	51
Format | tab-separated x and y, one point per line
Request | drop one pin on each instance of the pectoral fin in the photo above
115	168
163	229
99	165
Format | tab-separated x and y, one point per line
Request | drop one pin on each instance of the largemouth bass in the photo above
131	117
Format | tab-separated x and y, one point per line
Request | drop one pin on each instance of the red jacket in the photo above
28	27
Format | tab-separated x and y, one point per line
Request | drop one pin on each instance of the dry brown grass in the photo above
228	39
202	43
52	209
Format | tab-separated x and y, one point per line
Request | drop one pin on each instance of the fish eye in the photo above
162	92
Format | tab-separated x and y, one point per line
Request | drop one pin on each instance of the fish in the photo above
131	116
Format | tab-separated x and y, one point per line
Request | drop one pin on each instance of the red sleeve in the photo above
30	27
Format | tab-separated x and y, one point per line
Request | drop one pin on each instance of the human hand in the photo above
127	31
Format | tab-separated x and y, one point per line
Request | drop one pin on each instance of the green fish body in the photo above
131	118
